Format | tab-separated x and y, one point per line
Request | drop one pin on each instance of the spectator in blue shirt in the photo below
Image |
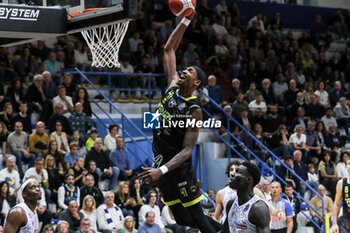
149	226
278	224
70	158
215	93
120	159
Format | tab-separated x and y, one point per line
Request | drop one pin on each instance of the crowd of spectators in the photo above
283	88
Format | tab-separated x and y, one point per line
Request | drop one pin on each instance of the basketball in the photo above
182	8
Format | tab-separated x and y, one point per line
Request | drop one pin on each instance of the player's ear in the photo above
197	82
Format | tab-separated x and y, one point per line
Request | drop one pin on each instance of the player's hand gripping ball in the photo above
182	8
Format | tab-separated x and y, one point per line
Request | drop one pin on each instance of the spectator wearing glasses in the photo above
85	227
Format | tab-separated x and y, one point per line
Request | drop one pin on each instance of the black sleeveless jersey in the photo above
346	197
169	139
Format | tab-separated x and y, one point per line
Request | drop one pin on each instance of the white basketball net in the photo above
104	43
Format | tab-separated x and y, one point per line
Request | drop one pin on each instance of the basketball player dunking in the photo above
248	213
172	147
343	193
23	218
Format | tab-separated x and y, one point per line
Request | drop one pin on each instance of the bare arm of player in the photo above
259	215
226	228
152	174
273	211
336	207
289	224
15	219
169	58
219	207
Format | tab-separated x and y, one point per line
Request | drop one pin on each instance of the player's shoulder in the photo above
260	205
17	212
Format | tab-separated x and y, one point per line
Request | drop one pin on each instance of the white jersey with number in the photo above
32	225
238	216
228	195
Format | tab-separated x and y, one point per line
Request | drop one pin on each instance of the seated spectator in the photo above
335	93
109	216
239	104
68	192
85	226
328	173
283	172
247	142
258	103
236	85
48	228
7	201
257	148
91	140
78	171
15	93
53	66
341	168
219	28
72	215
54	179
266	189
300	169
266	91
79	121
89	210
59	116
169	221
68	84
65	100
72	156
10	175
61	138
82	97
313	145
38	101
150	205
328	119
49	86
150	225
18	144
120	159
313	177
315	109
7	116
129	225
300	119
334	141
289	96
323	94
123	199
24	116
89	189
279	142
39	140
103	163
272	120
136	192
299	102
59	157
316	202
39	172
342	114
110	139
76	139
338	26
62	227
215	93
279	87
298	140
93	171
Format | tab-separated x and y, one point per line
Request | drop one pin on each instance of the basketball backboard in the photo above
22	21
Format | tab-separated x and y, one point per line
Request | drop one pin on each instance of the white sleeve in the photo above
167	220
142	215
158	218
60	197
70	101
42	201
101	221
109	142
17	181
78	200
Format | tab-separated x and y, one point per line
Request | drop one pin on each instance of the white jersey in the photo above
228	195
32	225
238	216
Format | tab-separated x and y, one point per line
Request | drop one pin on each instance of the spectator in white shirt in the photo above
10	175
110	139
109	216
218	28
134	41
65	100
341	169
258	103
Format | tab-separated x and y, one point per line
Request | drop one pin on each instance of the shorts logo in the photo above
181	106
151	120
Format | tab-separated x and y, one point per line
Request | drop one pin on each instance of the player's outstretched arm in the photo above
152	174
336	206
15	219
169	58
219	207
260	217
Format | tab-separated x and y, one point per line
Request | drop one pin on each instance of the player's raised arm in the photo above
169	58
260	216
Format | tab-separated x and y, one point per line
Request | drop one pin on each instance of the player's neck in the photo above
31	204
244	195
184	92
